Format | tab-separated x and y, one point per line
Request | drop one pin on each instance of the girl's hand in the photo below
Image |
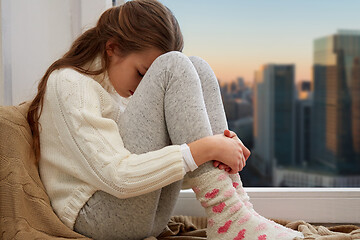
246	153
231	134
227	150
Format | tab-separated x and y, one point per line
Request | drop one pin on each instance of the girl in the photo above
120	119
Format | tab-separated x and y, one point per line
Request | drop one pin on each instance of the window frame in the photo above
314	205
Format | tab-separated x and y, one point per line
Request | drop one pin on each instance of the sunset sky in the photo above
237	37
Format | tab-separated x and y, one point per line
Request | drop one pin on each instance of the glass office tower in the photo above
335	130
274	109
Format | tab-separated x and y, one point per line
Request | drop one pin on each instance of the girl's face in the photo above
125	73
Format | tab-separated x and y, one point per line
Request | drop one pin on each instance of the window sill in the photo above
330	205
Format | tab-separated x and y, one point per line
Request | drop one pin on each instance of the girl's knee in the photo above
199	63
173	54
178	60
205	72
170	67
172	59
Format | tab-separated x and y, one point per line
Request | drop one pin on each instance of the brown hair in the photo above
134	26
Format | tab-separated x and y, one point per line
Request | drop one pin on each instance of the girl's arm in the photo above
89	146
86	144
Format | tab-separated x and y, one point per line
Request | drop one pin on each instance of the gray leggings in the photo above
178	101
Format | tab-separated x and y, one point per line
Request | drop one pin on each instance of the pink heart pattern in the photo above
236	207
212	194
211	222
225	228
248	204
241	235
277	227
219	208
262	237
257	215
283	234
222	177
235	184
244	219
261	226
229	193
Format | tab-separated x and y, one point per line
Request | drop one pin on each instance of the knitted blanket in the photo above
26	213
25	210
194	228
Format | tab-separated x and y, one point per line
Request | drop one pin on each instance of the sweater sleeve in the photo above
94	142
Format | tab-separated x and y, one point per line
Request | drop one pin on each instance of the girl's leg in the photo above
230	213
167	107
216	113
179	116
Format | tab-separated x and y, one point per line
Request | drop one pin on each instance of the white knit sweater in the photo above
82	151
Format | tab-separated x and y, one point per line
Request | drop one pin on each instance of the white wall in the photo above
36	33
1	65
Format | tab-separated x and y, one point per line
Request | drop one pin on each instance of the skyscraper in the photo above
336	103
274	96
355	107
303	134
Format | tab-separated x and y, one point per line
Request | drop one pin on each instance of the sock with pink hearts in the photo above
228	217
244	197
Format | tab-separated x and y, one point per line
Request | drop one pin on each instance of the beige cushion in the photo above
25	210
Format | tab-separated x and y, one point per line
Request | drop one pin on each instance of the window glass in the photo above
289	73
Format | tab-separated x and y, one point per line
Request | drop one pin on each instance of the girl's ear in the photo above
110	47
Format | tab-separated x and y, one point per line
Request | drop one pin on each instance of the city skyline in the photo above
303	140
238	37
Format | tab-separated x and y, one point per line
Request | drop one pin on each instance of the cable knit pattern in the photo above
79	121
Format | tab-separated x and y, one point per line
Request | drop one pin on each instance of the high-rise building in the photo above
231	109
236	109
355	107
335	117
241	83
303	134
274	113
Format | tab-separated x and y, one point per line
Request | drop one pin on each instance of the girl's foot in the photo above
237	184
228	215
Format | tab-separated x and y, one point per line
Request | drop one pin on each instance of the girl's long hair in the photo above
134	26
